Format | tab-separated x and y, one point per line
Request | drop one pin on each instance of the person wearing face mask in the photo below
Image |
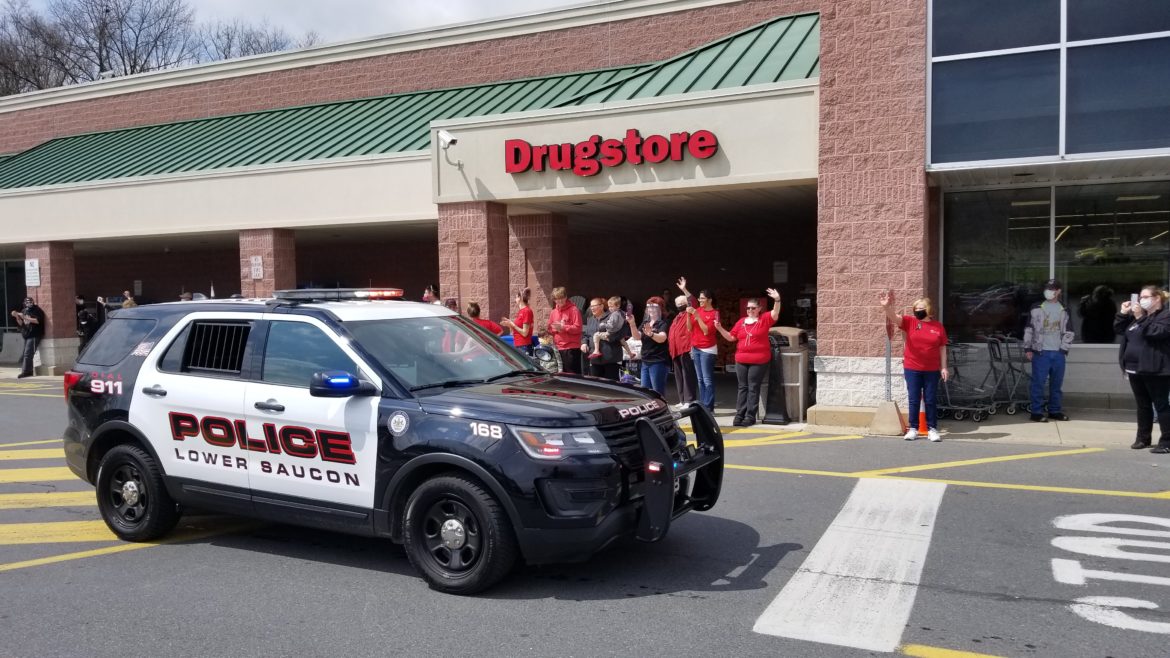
924	360
679	340
1144	356
31	320
655	353
1047	340
704	347
753	356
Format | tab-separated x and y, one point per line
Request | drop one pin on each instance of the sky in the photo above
344	20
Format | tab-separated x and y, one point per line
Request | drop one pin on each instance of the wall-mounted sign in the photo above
257	263
32	272
587	158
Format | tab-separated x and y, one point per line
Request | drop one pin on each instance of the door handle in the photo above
155	391
270	405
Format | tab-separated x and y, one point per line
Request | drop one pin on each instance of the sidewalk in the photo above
1088	428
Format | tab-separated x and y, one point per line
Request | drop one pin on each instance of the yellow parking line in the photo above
51	499
57	532
29	443
45	453
1042	488
790	471
33	395
974	462
178	537
922	651
814	439
759	440
48	474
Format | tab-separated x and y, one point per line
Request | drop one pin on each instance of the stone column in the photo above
56	296
277	250
538	255
473	256
872	210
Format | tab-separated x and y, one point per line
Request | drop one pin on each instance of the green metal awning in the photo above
784	48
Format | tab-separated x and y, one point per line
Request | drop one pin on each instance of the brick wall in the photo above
473	255
872	199
278	257
163	274
409	263
617	43
56	292
538	256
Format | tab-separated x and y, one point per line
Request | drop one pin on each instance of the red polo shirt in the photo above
923	340
751	340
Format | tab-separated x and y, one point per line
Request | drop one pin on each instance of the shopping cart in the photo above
959	396
1009	376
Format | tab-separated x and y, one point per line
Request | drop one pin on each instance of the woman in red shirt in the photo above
753	356
522	326
924	360
701	322
473	313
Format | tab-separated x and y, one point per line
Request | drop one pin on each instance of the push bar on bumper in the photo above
660	503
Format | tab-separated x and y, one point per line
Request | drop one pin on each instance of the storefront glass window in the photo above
1110	241
996	107
968	26
1098	19
997	248
1107	242
1119	96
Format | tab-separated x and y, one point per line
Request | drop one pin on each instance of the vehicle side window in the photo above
116	340
296	350
209	347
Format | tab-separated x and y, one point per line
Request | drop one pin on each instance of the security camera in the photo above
446	139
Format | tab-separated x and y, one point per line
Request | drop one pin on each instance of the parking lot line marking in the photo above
29	443
1038	487
36	453
47	474
177	538
857	586
975	462
789	471
761	440
814	439
50	499
922	651
33	395
56	532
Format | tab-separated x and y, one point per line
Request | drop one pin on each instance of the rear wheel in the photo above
457	535
131	496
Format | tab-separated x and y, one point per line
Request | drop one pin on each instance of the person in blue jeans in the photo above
655	353
704	348
1047	340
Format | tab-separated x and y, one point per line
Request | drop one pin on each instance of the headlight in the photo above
544	443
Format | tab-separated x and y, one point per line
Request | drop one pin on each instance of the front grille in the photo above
623	442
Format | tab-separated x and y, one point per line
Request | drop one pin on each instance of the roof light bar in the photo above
338	294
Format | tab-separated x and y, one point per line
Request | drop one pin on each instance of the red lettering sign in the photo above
589	157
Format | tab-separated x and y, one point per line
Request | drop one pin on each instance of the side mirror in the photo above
338	384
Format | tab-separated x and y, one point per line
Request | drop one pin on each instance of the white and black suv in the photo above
333	409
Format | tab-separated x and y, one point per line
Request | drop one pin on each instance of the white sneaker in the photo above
932	434
911	434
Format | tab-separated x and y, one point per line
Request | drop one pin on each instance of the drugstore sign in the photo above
589	157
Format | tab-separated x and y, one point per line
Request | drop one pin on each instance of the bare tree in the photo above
230	39
85	40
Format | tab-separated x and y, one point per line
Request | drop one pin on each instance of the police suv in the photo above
349	410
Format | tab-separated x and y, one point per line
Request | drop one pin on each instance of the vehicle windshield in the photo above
437	351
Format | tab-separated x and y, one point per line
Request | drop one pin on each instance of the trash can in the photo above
787	395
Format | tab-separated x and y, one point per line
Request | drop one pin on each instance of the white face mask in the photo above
1146	303
1050	295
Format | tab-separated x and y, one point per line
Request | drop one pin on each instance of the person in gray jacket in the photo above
1047	340
605	329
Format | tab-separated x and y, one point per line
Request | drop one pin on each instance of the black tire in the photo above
131	496
487	546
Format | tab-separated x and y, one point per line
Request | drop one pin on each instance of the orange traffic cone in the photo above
922	422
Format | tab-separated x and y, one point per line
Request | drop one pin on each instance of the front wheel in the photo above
457	535
131	496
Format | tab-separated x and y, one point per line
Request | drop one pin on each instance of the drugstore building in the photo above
829	148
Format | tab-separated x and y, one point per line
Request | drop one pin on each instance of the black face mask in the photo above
921	315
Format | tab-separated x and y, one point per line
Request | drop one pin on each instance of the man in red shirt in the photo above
564	323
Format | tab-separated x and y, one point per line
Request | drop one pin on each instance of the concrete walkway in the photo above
1088	427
